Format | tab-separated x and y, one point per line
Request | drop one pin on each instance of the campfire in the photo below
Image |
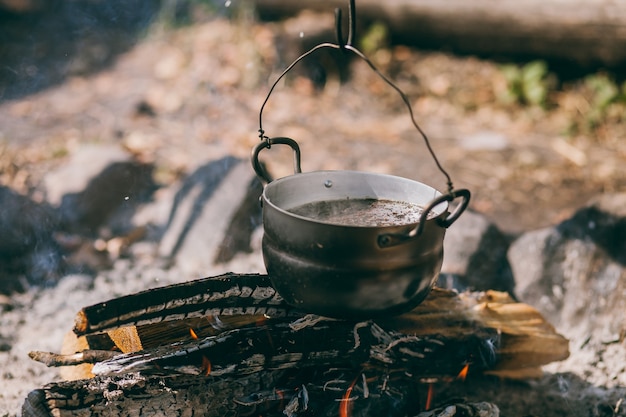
230	344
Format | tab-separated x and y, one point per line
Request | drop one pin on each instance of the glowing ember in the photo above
463	374
346	402
206	366
429	397
193	334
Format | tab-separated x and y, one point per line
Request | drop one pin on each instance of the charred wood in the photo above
215	335
229	294
290	393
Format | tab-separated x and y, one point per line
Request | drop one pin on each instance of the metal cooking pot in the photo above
351	271
342	270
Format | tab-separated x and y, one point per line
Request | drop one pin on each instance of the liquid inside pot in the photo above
362	212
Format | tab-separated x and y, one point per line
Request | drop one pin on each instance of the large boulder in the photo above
575	272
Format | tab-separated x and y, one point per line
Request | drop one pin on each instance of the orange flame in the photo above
193	334
206	365
345	405
463	374
429	396
281	396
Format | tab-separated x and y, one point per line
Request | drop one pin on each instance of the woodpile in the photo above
228	345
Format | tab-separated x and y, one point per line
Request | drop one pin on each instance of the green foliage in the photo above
375	37
528	84
603	105
606	100
605	91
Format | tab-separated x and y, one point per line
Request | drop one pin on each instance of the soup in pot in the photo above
362	212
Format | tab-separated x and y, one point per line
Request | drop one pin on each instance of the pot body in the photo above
342	271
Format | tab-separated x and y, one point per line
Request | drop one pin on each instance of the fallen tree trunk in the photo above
587	32
188	346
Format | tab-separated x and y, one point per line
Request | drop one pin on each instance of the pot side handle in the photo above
392	239
267	144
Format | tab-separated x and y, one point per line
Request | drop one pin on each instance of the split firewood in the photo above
234	326
225	295
512	332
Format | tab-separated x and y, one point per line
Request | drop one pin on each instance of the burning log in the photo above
230	343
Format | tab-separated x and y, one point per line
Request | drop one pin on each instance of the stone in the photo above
475	256
109	198
27	247
575	274
85	163
99	185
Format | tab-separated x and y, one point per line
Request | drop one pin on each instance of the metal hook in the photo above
351	25
338	30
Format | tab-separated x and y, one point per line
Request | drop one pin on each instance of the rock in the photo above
213	216
574	273
110	197
85	163
475	256
27	248
6	304
99	185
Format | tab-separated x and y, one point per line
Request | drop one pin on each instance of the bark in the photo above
229	294
584	31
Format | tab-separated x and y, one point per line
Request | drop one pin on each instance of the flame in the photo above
463	374
193	334
281	396
345	405
261	320
429	396
206	365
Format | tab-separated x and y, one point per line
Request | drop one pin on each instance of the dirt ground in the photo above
181	96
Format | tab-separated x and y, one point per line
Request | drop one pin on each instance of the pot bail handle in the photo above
266	144
391	239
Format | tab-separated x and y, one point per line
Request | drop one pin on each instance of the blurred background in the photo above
524	103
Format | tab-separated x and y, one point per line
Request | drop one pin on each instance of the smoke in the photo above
67	37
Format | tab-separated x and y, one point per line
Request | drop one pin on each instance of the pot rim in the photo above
440	209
